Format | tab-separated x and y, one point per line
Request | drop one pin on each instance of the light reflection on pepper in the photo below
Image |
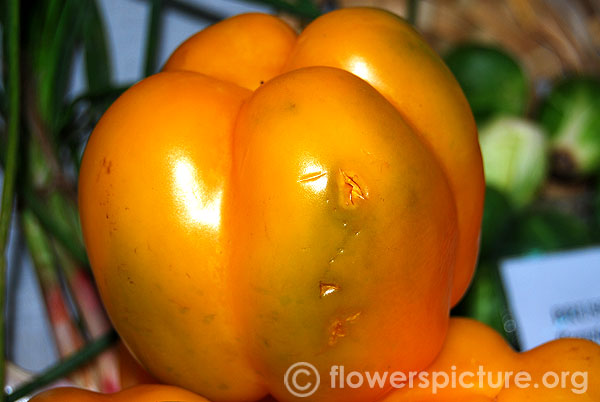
201	207
360	68
313	177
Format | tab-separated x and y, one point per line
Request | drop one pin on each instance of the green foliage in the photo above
541	231
571	116
498	220
485	301
98	64
492	80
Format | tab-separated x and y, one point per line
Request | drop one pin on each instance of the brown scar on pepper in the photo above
352	190
326	289
338	328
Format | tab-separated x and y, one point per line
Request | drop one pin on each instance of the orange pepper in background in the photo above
270	199
139	393
472	346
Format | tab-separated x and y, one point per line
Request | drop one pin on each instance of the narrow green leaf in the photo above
93	105
153	36
54	67
299	8
68	236
48	269
192	10
12	32
66	366
97	55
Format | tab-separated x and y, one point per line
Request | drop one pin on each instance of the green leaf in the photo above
191	10
63	368
52	50
542	231
498	219
3	103
67	235
97	56
153	36
12	56
299	8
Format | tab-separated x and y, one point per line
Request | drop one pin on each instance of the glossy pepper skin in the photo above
471	345
257	204
139	393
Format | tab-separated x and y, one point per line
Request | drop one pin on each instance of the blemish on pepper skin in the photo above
326	289
107	166
339	252
351	189
338	328
181	307
353	317
311	177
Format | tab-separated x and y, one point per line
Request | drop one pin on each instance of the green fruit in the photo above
571	116
514	158
492	80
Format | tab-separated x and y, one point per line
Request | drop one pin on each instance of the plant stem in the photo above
12	32
66	366
92	312
66	330
50	222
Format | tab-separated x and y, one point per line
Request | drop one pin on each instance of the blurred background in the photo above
530	70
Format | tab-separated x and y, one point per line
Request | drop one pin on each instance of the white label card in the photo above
554	295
